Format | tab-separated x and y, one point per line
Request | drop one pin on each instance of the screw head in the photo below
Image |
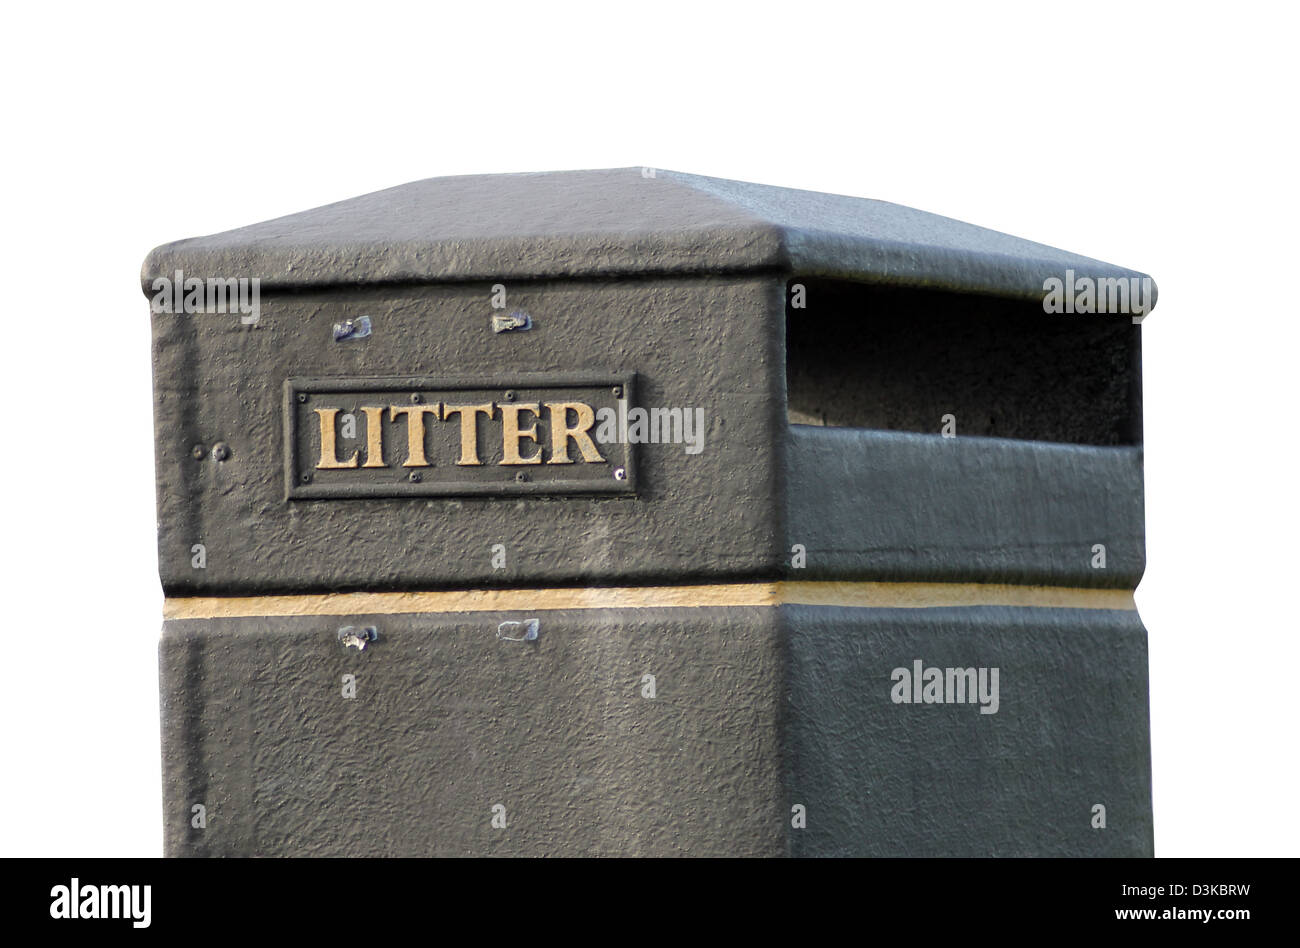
618	391
521	477
302	396
415	477
620	474
198	452
306	478
416	398
220	451
509	395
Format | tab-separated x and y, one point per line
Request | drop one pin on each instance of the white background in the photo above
1160	137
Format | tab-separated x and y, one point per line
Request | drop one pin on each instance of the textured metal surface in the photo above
886	779
866	504
449	721
900	506
756	710
711	343
617	222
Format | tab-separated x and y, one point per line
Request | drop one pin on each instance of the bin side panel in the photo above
940	778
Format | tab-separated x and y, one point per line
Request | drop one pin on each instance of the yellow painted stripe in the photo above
868	595
932	595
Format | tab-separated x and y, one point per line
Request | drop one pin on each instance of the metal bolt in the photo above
220	451
620	474
198	451
618	391
358	637
415	477
416	398
302	396
357	328
531	628
509	395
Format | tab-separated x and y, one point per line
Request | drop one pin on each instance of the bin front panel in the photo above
356	515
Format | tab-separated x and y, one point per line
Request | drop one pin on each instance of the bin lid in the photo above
618	222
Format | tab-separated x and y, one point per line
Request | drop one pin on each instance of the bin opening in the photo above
899	359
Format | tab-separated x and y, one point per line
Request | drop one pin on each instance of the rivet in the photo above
220	451
509	395
521	477
415	477
302	396
198	451
306	478
416	398
620	474
618	391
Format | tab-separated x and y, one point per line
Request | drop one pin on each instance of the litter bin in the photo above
635	512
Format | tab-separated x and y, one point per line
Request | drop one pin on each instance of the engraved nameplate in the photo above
420	437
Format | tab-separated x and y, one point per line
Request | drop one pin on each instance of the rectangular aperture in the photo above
891	359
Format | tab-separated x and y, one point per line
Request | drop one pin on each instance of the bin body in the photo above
419	603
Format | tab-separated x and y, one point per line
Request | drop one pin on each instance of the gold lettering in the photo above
414	430
374	436
469	429
561	432
329	459
511	435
